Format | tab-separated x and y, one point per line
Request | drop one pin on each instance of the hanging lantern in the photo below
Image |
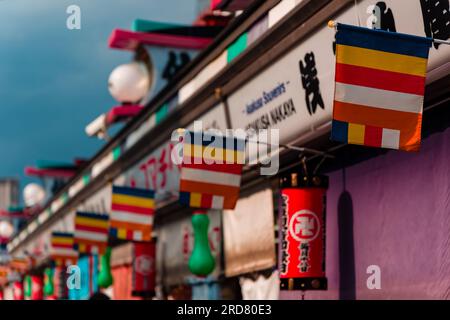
105	278
33	194
37	292
18	290
129	83
144	272
6	229
201	262
303	211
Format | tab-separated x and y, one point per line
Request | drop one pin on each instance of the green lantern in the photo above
49	288
27	286
201	262
105	278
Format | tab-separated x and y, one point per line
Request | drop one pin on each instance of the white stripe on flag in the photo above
222	178
217	202
378	98
131	217
87	235
390	139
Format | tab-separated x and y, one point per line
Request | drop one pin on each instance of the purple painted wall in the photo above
401	222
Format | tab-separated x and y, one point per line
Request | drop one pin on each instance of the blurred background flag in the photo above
91	232
62	250
380	85
132	212
211	170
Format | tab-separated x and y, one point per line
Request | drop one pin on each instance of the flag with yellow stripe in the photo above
380	86
132	211
91	232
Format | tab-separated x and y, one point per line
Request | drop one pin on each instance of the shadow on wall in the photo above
347	277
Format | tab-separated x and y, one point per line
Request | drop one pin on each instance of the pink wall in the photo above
401	222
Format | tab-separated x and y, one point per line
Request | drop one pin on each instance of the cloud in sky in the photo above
53	81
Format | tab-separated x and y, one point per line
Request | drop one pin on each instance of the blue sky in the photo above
53	81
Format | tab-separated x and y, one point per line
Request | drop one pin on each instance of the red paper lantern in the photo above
37	288
18	290
144	269
303	211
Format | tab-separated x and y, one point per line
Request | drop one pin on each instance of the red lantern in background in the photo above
303	211
144	269
37	288
18	290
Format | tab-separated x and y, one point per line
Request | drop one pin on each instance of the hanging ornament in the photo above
37	292
18	290
144	272
27	287
49	288
201	262
105	278
303	211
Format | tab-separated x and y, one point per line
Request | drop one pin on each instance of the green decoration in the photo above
105	278
201	262
49	288
27	287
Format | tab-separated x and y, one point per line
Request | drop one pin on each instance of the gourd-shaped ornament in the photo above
201	262
27	286
105	278
49	288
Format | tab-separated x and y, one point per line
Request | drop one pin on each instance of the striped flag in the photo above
20	264
211	170
132	212
91	232
62	250
380	84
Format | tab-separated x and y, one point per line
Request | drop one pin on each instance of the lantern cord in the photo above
304	166
299	149
318	165
334	24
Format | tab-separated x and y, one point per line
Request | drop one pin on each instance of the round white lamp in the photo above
129	83
6	229
33	194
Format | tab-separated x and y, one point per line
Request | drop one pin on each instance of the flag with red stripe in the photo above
211	170
132	211
380	86
91	232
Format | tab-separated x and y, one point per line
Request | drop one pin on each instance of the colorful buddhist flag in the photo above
62	248
380	84
132	211
211	170
91	232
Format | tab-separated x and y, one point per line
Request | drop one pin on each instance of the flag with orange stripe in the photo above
62	248
380	86
91	232
132	211
211	170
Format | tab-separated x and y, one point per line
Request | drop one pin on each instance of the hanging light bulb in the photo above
6	229
33	194
129	83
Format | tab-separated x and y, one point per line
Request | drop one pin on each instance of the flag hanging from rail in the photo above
132	211
211	170
62	250
380	85
91	232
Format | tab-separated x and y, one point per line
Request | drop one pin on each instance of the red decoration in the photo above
18	290
303	200
37	285
144	271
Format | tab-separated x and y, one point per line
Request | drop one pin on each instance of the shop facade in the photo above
273	68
